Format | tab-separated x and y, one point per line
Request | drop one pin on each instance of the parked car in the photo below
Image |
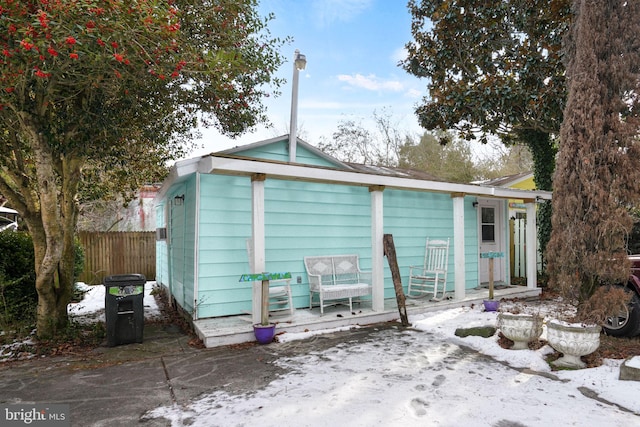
627	324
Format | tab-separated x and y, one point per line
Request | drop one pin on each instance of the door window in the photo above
488	218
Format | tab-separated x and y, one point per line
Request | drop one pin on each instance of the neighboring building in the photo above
111	215
8	219
140	214
211	206
521	181
518	222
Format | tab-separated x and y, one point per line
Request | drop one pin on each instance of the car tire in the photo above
626	324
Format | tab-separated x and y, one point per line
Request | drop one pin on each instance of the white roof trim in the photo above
235	166
7	210
180	169
237	151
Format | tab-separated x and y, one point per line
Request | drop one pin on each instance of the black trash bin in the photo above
124	308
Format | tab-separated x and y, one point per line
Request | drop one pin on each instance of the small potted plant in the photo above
264	331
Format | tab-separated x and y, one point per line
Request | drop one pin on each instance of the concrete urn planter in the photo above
573	341
520	328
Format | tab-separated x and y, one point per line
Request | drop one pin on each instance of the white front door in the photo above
491	228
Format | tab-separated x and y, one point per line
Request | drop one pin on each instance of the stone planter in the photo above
520	328
573	341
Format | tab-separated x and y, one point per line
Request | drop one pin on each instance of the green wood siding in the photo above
225	225
300	219
412	216
279	151
303	219
181	238
309	158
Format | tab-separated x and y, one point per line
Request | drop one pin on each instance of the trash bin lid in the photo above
124	279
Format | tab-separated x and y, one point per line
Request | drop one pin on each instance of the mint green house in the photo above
211	208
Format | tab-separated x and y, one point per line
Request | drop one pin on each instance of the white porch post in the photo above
458	246
257	241
532	245
377	248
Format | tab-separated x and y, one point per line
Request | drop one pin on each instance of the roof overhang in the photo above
233	165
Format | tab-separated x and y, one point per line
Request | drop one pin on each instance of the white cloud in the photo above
329	11
413	93
398	55
371	82
320	105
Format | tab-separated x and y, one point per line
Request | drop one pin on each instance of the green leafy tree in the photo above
100	94
598	173
493	68
451	162
507	160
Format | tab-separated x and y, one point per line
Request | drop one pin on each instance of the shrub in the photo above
18	296
78	262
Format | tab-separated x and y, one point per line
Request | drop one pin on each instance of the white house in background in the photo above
8	219
140	213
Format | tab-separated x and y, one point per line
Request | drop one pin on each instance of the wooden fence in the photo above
108	253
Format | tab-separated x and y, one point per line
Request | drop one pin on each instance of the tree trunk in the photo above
54	278
51	222
598	165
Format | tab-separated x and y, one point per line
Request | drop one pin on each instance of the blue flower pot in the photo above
264	333
491	305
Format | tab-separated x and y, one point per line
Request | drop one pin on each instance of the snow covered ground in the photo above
90	309
424	377
420	376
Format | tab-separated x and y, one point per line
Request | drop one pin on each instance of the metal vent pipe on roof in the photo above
299	63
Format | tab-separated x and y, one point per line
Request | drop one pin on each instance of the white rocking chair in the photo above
431	277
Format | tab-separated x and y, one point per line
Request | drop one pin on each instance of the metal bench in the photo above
336	277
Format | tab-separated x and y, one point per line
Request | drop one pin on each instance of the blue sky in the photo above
352	49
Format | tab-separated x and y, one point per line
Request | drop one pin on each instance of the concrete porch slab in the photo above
221	331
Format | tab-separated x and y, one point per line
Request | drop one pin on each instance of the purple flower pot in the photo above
491	305
264	333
